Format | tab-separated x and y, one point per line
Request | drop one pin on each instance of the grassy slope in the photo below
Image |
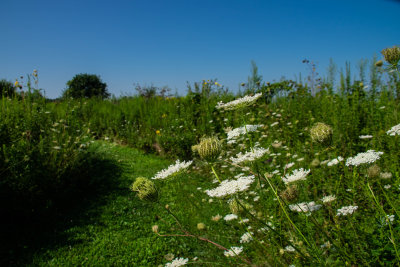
116	228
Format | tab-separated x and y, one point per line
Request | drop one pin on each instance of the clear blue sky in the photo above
168	42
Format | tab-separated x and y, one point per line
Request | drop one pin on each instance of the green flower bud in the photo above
145	188
321	133
209	148
379	63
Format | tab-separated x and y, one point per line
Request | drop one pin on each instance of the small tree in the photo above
6	88
85	86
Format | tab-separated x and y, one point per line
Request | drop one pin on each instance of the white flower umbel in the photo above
328	199
230	217
335	161
257	153
346	210
395	130
229	187
233	251
365	136
305	207
177	262
361	158
239	103
297	175
242	130
246	238
173	169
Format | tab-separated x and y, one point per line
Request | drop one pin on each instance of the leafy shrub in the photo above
86	86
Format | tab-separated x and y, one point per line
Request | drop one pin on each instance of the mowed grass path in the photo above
115	227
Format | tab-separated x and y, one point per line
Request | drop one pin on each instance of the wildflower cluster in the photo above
229	187
362	158
239	103
173	169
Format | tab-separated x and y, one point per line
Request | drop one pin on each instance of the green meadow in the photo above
287	173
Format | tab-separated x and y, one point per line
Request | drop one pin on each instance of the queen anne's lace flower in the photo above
242	130
335	161
233	251
305	207
230	217
395	130
346	210
257	152
365	136
239	103
361	158
177	262
327	199
297	175
173	169
229	187
246	237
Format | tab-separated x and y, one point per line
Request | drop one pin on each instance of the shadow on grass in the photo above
22	235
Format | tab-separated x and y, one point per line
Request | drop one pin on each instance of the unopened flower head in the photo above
256	153
361	158
321	132
145	188
374	171
392	55
395	130
229	187
177	262
297	175
239	103
172	169
233	251
209	148
346	210
242	130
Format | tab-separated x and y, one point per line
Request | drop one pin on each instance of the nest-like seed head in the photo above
321	133
392	55
145	188
209	148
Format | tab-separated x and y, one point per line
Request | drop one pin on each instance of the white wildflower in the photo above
233	251
327	199
173	169
346	210
257	152
177	262
305	207
367	157
335	161
230	217
242	130
239	103
365	136
245	220
289	165
386	175
274	124
395	130
388	186
229	187
289	249
246	238
297	175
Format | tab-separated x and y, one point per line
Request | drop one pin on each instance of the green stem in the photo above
390	225
215	173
